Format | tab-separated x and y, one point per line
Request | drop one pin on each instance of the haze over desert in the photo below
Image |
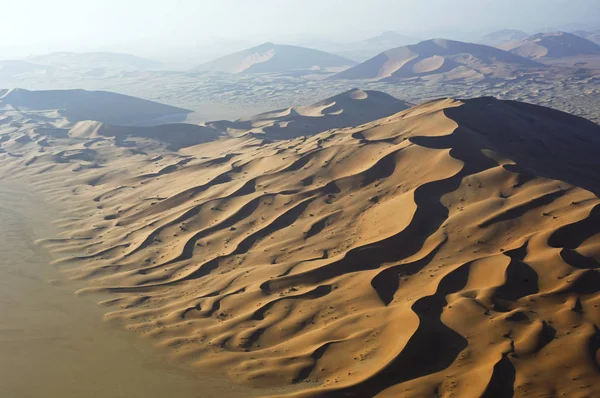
339	199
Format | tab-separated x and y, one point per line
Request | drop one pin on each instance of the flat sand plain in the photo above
54	344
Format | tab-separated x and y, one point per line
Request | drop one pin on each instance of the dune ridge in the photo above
552	45
95	60
101	106
454	59
275	58
451	249
348	109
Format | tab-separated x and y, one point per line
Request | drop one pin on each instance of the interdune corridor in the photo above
449	250
55	345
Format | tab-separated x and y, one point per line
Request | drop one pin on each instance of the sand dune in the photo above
348	109
503	36
591	36
455	59
368	48
594	37
95	60
176	136
580	33
103	106
552	45
276	58
451	249
10	69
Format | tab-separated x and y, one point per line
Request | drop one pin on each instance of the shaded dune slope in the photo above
175	135
451	249
275	58
102	106
95	60
552	45
434	57
347	109
503	36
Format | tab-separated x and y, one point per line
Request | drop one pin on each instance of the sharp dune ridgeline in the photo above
448	249
453	59
348	109
552	45
594	37
95	60
503	36
12	68
276	58
368	48
101	106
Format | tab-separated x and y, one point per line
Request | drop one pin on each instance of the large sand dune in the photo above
348	109
451	249
102	106
503	36
95	60
364	49
552	45
435	57
594	37
276	58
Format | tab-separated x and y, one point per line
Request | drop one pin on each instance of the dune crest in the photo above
275	58
552	45
451	249
102	106
438	56
94	60
347	109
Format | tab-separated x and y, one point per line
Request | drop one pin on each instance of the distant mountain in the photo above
552	45
102	106
94	60
503	36
458	59
276	58
351	108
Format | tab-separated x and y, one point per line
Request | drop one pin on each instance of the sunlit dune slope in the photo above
275	58
552	45
451	249
456	60
348	109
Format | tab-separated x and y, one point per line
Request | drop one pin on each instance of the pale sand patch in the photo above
54	344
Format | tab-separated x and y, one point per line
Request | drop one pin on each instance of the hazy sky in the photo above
152	24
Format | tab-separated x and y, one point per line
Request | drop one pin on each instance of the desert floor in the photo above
54	344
